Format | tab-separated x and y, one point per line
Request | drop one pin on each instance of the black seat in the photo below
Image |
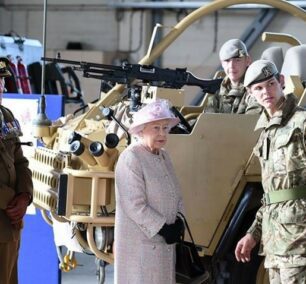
34	71
63	81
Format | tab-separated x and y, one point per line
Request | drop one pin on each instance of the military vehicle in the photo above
212	155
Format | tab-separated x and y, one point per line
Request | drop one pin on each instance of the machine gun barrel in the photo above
152	75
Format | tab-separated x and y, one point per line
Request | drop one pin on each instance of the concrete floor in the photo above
86	272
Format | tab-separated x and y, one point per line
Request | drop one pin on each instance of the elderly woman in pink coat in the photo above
148	199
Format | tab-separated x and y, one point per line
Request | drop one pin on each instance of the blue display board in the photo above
38	262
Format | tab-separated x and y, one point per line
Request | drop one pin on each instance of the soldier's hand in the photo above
244	248
17	207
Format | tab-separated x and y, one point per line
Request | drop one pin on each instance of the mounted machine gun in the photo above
148	74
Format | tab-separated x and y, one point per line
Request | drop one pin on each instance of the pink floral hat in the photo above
154	111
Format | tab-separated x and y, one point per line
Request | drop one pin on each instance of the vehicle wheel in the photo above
226	268
230	271
100	270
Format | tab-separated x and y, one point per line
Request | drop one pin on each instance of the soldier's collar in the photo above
227	85
287	106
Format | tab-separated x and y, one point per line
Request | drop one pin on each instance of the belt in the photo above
285	195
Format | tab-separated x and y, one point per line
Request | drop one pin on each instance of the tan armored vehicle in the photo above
212	154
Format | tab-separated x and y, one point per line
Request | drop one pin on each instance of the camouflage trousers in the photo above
295	275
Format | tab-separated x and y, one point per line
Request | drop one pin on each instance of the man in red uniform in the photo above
16	187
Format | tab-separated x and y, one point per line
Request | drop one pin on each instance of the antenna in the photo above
42	119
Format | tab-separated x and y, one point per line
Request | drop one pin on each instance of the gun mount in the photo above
80	156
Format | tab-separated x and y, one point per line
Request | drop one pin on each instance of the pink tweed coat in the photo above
147	195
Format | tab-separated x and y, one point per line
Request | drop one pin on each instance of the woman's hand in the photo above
172	233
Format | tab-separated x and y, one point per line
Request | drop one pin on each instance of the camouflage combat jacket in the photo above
282	155
231	99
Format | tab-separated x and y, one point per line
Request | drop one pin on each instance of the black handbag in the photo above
188	262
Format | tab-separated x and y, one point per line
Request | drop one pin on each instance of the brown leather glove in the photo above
17	207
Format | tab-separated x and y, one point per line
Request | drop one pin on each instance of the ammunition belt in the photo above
285	195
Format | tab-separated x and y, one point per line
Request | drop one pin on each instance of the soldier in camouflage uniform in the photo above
280	223
232	96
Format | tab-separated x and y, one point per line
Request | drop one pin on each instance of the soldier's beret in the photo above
232	48
259	71
4	72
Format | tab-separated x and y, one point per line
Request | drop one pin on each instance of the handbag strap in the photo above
181	215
